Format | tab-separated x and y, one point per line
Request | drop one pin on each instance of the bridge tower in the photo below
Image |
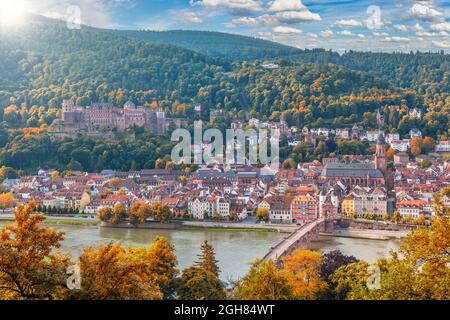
327	209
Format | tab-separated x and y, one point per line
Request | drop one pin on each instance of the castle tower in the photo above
68	111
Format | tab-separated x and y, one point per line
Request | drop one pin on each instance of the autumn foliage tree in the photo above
119	213
161	213
416	146
30	266
264	282
420	270
163	264
105	214
6	200
138	212
301	270
113	272
262	214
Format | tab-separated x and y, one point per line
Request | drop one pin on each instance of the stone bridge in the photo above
299	239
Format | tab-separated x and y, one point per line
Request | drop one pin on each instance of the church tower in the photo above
380	155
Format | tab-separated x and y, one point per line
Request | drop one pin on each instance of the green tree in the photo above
199	284
201	281
207	259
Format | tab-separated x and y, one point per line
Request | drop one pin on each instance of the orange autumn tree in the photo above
30	268
301	270
390	153
119	213
161	263
416	146
161	213
105	214
263	282
420	270
113	272
138	212
6	200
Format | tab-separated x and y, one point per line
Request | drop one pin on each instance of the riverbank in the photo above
350	232
206	225
61	221
228	226
369	234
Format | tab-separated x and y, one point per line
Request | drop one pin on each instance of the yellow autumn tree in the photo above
30	266
139	211
262	214
420	270
113	272
104	214
264	282
6	200
301	269
161	213
119	213
161	264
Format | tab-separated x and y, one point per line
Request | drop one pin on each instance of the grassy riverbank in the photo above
72	222
60	221
192	228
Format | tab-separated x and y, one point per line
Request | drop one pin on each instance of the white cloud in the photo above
422	32
237	7
297	16
418	28
280	12
380	34
442	44
312	35
360	35
264	34
326	33
95	13
286	30
264	20
444	26
401	27
345	33
397	39
349	23
425	12
285	17
188	17
286	5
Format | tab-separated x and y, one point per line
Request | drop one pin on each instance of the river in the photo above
234	249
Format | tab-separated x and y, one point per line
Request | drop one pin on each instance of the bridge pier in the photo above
327	226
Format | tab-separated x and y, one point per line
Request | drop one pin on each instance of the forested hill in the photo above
46	62
50	62
416	70
407	70
217	44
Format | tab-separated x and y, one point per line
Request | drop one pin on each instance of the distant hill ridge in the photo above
224	45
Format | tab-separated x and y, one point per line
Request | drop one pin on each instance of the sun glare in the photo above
12	12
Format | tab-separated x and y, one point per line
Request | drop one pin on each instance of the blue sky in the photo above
401	25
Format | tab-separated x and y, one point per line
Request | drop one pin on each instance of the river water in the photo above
235	250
